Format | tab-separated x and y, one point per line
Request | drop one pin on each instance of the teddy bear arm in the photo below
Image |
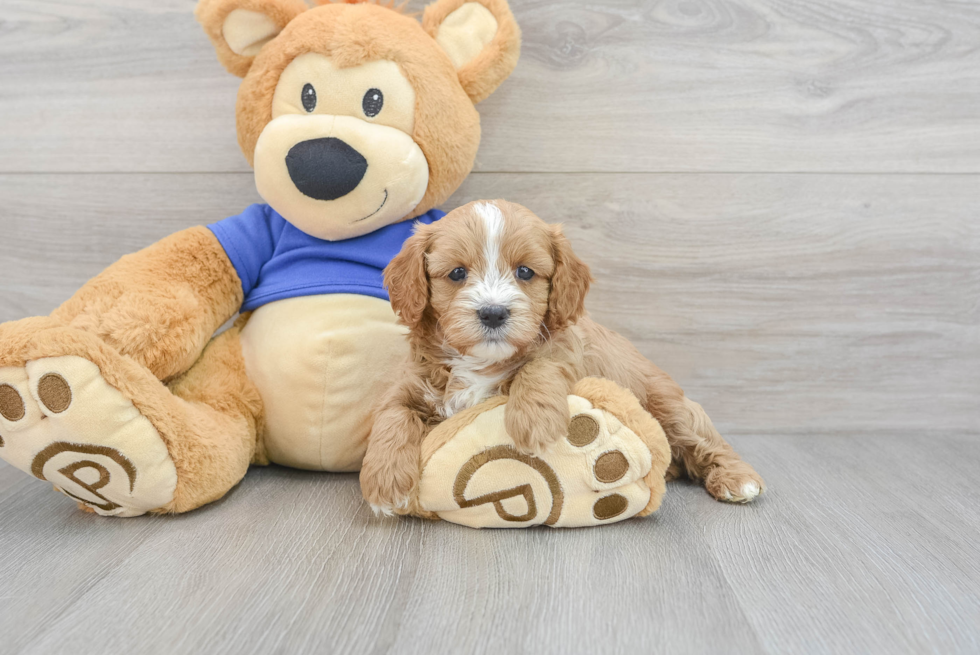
160	305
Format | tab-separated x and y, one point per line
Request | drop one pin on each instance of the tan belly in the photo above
320	363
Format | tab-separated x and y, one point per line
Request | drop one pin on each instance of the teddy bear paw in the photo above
61	421
595	475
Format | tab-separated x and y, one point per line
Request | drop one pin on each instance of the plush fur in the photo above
161	305
211	14
547	345
490	68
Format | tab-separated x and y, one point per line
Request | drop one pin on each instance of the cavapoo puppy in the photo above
494	299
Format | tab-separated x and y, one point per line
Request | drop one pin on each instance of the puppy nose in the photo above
494	316
325	169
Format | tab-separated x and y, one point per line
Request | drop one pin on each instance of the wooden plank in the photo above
618	85
784	303
864	545
347	582
840	557
61	230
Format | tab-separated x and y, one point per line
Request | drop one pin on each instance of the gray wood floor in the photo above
781	202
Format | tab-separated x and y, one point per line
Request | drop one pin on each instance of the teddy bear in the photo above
358	121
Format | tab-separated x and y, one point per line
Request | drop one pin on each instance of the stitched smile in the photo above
376	210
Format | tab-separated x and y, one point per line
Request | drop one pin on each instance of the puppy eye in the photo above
373	101
309	98
524	273
457	274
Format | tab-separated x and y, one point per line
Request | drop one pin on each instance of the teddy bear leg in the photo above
609	467
103	430
162	305
219	434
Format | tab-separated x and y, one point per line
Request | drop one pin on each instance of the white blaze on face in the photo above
494	284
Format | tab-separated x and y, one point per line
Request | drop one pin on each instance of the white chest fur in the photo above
469	385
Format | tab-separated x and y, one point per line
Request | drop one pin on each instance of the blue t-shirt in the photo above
275	260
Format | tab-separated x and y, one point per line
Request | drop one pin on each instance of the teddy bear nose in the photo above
493	316
325	169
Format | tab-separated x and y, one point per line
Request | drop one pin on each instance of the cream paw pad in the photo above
63	423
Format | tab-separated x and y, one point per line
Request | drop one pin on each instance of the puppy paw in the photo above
388	491
382	511
535	430
736	482
399	506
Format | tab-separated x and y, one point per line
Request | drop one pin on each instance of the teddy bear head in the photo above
354	115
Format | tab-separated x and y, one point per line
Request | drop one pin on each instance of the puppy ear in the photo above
481	38
569	283
239	28
407	281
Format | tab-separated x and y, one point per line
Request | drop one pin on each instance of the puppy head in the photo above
489	280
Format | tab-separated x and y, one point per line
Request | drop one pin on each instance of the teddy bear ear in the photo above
481	38
239	28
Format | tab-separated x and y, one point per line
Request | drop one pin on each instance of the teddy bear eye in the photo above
372	103
524	273
309	98
457	274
